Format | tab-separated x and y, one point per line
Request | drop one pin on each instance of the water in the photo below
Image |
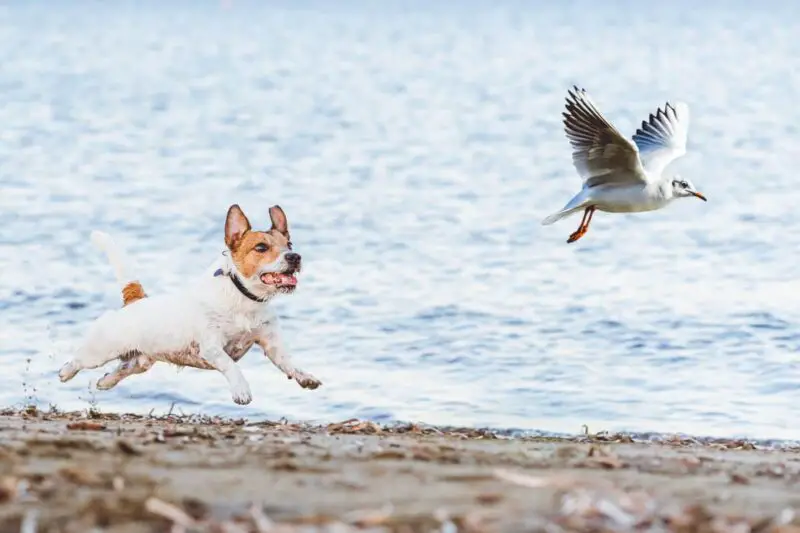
415	148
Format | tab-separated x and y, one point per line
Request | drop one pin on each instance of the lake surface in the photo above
415	148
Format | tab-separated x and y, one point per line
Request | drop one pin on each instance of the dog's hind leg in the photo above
69	371
85	360
136	364
104	342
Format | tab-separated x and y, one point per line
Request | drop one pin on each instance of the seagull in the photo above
621	175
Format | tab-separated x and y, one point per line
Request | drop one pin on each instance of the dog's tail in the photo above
132	290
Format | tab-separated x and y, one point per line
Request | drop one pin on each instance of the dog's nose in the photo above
293	258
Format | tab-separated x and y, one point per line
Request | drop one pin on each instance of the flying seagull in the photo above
620	175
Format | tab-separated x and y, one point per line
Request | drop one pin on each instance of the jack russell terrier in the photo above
210	324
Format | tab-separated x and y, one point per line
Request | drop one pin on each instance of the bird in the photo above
622	175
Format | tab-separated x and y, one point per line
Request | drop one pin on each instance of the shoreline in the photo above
636	436
80	470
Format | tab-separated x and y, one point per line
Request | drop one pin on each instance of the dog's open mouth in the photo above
279	279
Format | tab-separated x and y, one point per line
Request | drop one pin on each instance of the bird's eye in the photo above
685	185
261	247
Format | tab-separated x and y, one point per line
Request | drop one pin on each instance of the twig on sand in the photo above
370	518
260	520
545	482
171	512
29	522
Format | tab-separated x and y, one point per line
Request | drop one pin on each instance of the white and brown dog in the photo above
210	324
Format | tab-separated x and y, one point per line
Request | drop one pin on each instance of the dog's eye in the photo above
261	247
289	245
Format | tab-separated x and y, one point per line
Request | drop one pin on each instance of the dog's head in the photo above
264	260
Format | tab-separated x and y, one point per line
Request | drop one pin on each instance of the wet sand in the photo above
124	473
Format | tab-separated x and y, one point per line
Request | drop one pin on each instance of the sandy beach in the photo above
126	473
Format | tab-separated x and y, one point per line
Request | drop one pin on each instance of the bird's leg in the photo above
584	227
591	211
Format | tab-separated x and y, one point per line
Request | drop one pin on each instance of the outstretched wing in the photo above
600	153
662	138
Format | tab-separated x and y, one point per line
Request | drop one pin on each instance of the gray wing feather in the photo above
600	153
662	138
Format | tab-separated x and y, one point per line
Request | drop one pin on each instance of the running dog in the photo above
209	323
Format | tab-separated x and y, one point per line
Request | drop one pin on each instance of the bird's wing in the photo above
662	139
600	153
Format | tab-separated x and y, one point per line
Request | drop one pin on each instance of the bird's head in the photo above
682	188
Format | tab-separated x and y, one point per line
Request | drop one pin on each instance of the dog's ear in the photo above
236	225
279	222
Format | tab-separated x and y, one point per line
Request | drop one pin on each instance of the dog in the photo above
209	324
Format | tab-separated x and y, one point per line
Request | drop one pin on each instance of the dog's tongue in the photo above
286	279
279	279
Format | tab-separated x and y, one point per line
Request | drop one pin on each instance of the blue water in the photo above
415	147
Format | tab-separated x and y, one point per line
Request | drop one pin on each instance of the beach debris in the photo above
127	448
256	520
785	517
389	454
370	518
29	521
86	425
691	462
446	525
602	457
9	488
171	512
775	470
489	498
572	500
603	436
585	506
739	479
739	445
80	476
559	482
195	508
261	521
354	425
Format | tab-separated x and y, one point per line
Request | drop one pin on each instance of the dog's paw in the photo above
242	395
107	382
307	381
68	371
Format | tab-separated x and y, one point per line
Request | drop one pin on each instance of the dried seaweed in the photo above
588	482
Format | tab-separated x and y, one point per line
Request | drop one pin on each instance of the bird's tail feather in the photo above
555	217
578	202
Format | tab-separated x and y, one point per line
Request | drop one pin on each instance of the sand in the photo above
124	473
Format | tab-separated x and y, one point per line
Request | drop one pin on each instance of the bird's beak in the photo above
695	193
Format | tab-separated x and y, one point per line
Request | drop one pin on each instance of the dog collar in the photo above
240	286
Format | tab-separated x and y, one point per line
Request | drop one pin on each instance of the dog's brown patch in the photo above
189	356
248	260
242	241
132	292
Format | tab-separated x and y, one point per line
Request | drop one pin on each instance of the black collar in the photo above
240	286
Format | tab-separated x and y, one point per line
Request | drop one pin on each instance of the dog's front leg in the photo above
212	352
270	340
